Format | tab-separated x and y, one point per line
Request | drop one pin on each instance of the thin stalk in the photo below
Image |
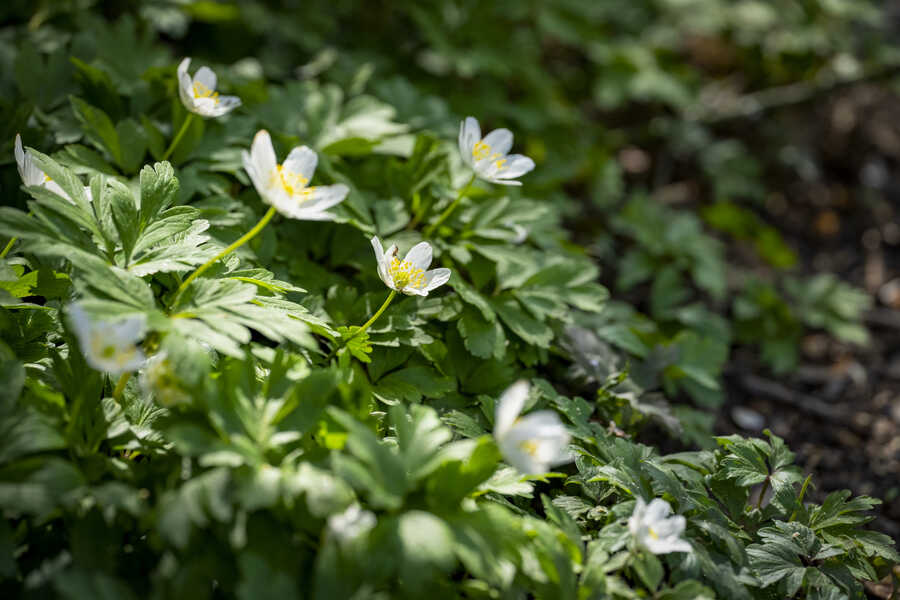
762	493
449	210
179	135
377	314
120	385
800	497
8	247
11	242
234	246
365	326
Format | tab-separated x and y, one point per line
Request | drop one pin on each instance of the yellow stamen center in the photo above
530	447
480	150
201	91
404	274
293	183
47	178
652	533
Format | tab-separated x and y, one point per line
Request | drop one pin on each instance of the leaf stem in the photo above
234	246
762	493
120	385
449	210
800	497
178	136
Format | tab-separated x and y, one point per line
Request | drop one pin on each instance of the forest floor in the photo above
839	410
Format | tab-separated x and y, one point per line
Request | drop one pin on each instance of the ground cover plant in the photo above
325	331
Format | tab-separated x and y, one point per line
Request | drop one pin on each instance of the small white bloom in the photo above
533	443
489	156
108	346
654	530
284	186
159	379
31	174
351	524
199	95
409	275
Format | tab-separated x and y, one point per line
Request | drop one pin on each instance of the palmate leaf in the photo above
222	312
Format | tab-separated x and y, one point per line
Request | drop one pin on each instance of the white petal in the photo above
19	153
436	278
183	66
671	528
322	197
516	165
411	290
251	171
128	331
262	153
420	255
215	107
378	248
302	161
205	107
469	135
79	320
657	510
664	546
206	77
381	263
500	141
503	181
522	461
509	407
185	85
28	170
52	186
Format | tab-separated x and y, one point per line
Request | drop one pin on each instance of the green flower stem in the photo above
8	247
800	497
367	324
449	210
234	246
11	242
375	316
179	135
120	385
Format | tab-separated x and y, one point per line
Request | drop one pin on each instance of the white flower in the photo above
159	379
284	186
409	275
108	346
489	156
533	443
653	529
351	524
199	94
31	174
